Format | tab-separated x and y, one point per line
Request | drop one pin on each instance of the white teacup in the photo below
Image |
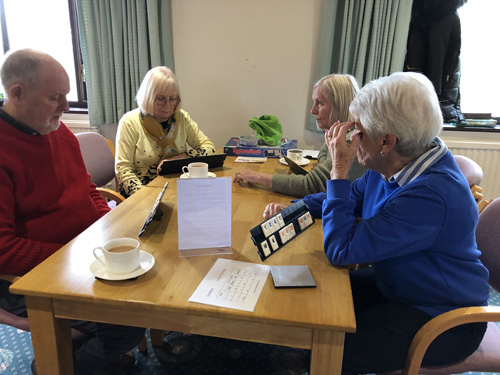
196	170
295	154
121	255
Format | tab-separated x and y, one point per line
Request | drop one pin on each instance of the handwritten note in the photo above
232	284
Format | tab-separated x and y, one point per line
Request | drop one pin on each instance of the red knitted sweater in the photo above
46	197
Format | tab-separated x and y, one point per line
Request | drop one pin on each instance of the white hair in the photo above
404	104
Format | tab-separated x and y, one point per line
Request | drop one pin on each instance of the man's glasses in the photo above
161	100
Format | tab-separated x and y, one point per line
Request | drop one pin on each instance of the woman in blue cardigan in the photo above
411	216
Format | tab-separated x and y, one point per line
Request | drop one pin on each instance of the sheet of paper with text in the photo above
232	284
204	216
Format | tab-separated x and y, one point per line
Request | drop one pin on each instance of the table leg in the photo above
51	338
326	353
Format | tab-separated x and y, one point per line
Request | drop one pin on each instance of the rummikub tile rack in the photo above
274	233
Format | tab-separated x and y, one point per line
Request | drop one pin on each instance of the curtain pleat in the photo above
121	41
365	38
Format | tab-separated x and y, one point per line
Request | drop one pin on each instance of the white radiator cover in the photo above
77	123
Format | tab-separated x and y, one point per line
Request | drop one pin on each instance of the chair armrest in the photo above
432	329
476	188
482	205
111	194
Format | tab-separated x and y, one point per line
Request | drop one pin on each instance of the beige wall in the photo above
236	59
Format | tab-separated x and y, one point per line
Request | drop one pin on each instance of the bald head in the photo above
36	86
25	66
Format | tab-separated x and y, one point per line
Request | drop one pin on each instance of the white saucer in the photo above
186	175
147	262
301	163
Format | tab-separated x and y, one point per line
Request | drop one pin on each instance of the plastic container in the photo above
249	140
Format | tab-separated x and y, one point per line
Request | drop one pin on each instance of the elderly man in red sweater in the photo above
46	197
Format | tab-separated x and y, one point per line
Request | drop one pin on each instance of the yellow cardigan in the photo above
138	155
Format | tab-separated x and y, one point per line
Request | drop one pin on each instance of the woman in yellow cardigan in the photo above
159	129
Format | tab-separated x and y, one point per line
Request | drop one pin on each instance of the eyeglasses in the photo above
161	100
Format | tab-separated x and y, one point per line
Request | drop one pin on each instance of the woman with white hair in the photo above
159	129
412	216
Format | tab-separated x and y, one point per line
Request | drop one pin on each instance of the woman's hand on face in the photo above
341	151
252	176
273	208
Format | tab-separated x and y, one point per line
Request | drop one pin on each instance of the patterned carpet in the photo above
224	357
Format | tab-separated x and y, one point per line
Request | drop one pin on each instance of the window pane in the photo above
480	55
43	25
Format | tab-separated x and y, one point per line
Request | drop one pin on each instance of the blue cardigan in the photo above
419	237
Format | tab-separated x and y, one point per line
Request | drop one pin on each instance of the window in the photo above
50	26
480	81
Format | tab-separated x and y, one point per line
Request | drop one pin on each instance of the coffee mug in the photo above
121	255
295	155
196	170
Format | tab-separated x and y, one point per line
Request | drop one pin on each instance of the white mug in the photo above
295	154
121	255
196	170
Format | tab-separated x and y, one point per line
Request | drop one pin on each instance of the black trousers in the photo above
104	343
386	328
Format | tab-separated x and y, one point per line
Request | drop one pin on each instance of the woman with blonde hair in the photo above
158	130
331	97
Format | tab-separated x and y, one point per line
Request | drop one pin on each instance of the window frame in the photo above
81	105
78	59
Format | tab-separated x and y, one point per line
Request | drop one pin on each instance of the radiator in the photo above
77	123
487	155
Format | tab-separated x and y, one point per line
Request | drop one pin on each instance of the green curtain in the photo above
365	38
121	41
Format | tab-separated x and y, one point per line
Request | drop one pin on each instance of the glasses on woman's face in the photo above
161	100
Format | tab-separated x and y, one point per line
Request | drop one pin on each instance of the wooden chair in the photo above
474	175
478	196
487	357
99	159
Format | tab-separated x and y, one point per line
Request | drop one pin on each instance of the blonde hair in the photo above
340	89
157	81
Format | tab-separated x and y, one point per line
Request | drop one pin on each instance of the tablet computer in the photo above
155	212
175	165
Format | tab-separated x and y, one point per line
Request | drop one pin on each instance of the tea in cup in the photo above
121	255
295	154
196	170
